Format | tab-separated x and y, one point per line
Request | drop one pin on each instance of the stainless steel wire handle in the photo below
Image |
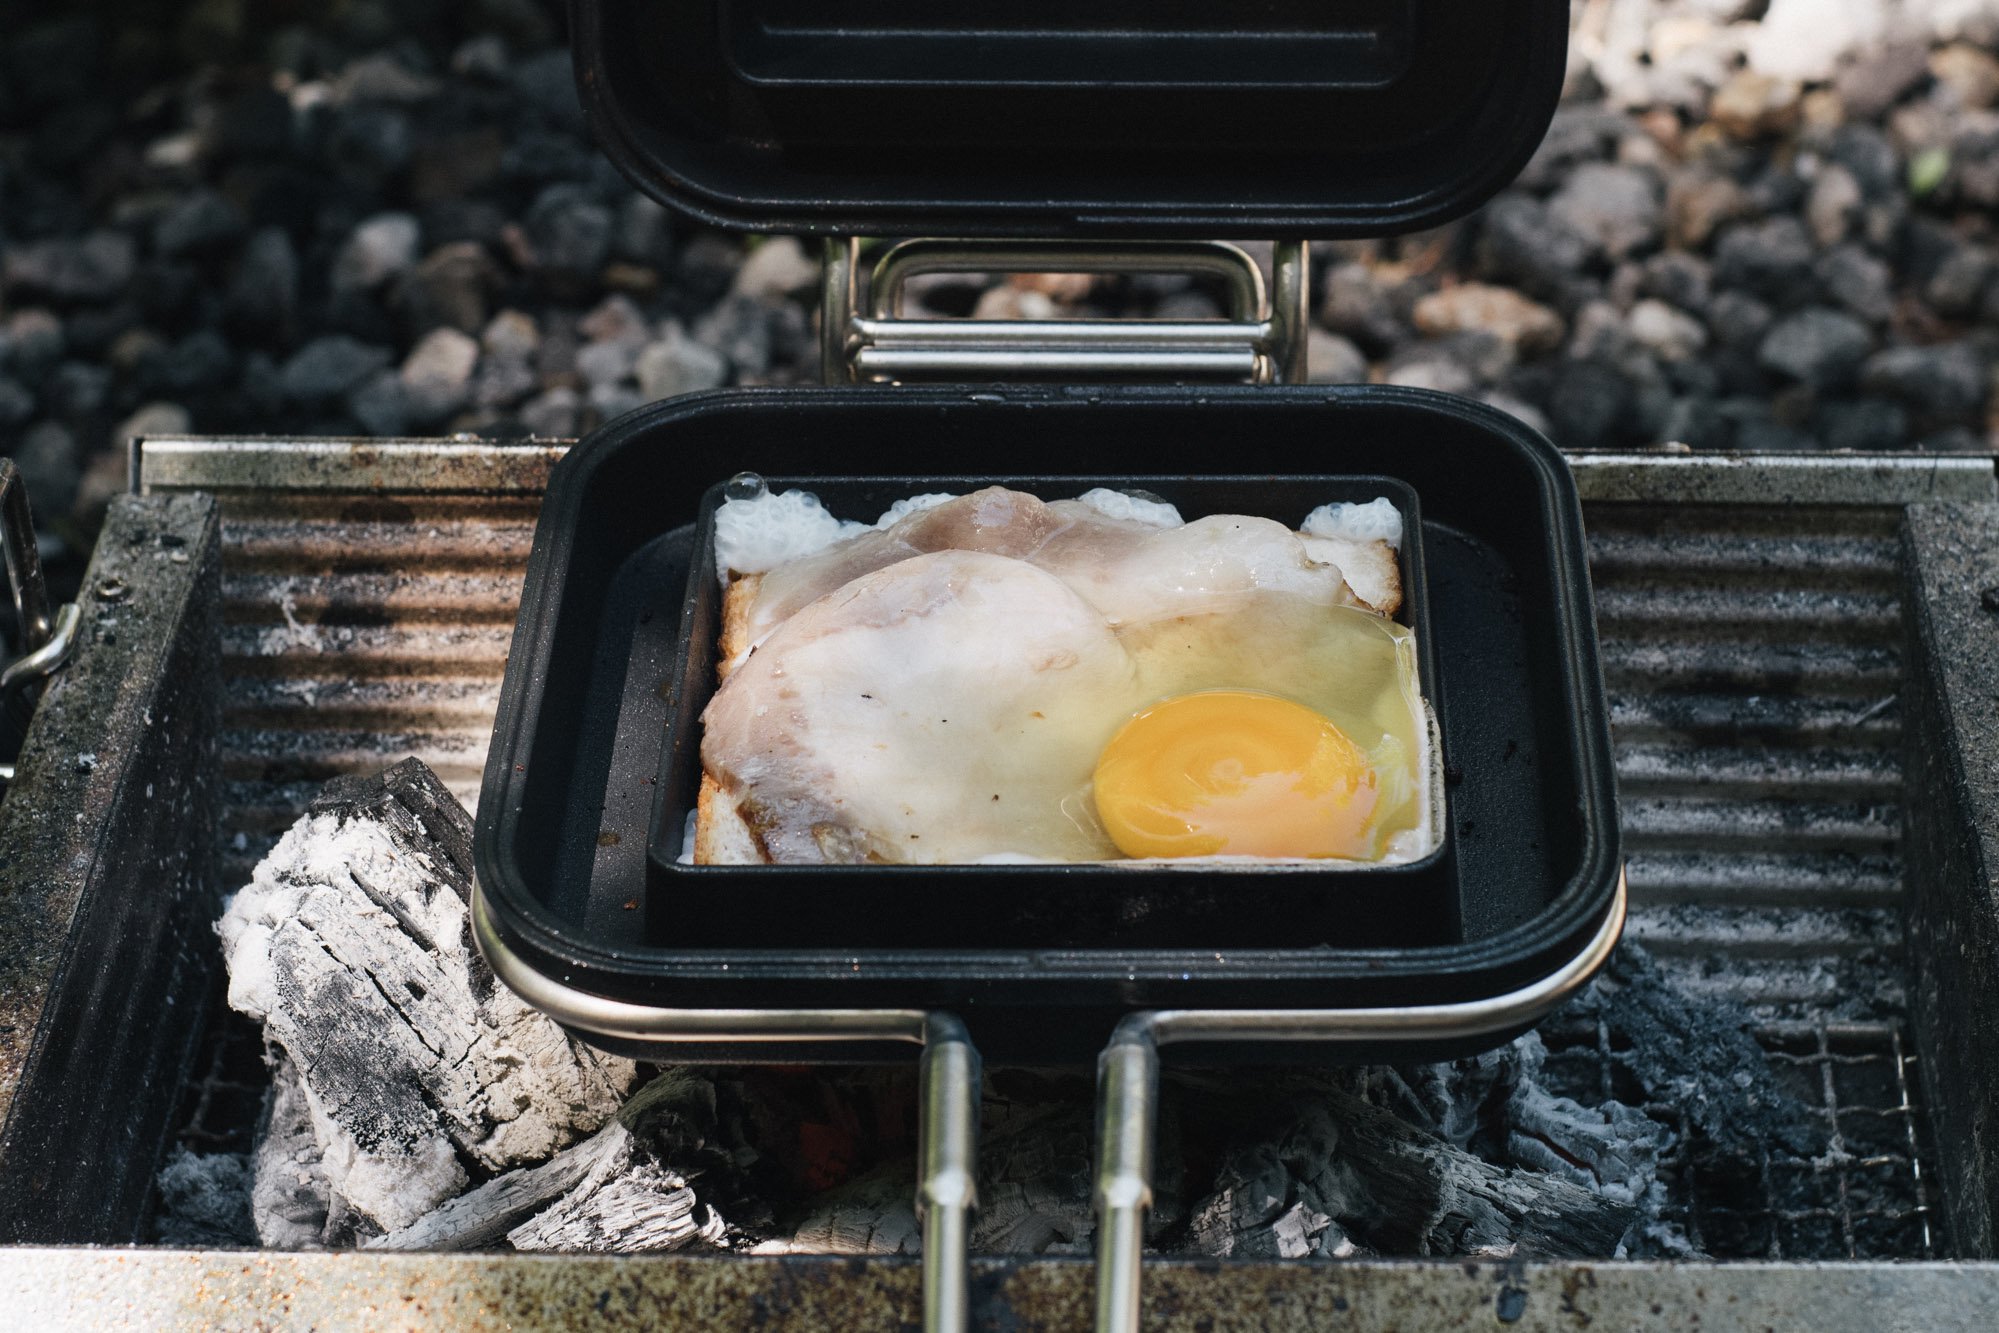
1261	340
947	1089
1128	1087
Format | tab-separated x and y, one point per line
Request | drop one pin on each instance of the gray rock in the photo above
1355	306
483	57
556	414
1581	132
1866	152
262	296
1189	304
547	82
1872	84
677	364
1864	425
740	329
606	361
512	335
1518	408
1677	278
199	223
77	389
502	382
1587	403
93	267
617	318
325	369
1615	207
383	78
1771	260
1948	382
644	233
151	421
51	466
16	403
1668	333
370	143
1738	321
1699	203
1958	283
777	269
611	401
1833	206
1858	281
437	375
569	231
1524	243
1953	440
1425	367
202	360
31	343
1331	359
381	404
383	247
448	288
1816	346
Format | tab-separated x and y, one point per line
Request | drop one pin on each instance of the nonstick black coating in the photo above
1531	854
1099	119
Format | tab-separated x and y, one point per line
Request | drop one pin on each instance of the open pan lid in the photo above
1271	119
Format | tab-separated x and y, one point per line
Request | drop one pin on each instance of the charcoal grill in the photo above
1826	821
1791	643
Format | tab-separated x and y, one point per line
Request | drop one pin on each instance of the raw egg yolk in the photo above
1235	773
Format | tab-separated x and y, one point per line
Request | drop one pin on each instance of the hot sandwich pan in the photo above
581	908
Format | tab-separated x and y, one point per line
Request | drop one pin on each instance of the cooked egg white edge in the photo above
1377	520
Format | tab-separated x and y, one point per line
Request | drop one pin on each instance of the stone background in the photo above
1755	224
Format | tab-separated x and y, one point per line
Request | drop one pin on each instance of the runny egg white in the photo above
991	677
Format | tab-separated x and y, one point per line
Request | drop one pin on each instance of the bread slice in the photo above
1371	568
722	837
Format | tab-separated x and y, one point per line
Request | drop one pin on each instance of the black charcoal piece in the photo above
1702	1057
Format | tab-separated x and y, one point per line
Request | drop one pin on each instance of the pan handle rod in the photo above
1128	1086
947	1155
948	1088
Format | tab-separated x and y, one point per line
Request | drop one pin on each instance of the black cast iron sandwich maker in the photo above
1110	136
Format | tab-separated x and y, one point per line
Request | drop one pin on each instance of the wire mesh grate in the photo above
1864	1192
224	1096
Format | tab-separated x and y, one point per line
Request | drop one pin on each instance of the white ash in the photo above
627	1204
415	1069
205	1200
291	1199
482	1217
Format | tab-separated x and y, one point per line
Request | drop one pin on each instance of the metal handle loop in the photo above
1128	1086
863	338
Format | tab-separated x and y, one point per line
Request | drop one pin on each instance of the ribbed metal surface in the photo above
358	631
1751	652
1752	658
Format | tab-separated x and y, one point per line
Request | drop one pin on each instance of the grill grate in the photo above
224	1096
1864	1193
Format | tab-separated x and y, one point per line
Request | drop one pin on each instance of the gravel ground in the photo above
1753	225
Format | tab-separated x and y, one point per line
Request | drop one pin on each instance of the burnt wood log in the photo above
419	1073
